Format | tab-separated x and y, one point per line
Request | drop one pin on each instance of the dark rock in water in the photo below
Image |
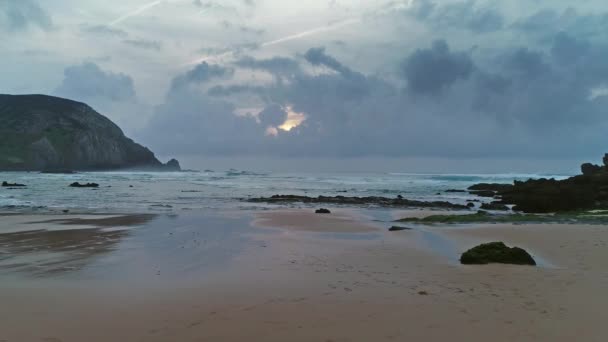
471	205
398	229
483	193
496	252
369	200
12	185
473	200
589	169
87	185
49	133
322	211
399	197
172	165
494	206
59	171
490	187
455	190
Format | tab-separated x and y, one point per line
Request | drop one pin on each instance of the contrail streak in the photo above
296	36
138	11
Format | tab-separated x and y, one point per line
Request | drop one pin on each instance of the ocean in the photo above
184	191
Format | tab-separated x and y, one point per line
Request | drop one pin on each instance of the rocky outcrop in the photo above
49	133
369	200
582	192
322	211
496	253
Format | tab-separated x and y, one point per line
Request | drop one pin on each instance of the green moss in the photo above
595	217
496	252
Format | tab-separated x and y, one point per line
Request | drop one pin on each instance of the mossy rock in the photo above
496	253
398	228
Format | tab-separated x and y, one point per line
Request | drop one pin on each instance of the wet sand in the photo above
296	284
339	221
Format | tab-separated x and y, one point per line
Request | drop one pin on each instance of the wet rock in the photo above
496	187
589	169
398	229
471	205
494	206
496	252
85	185
483	193
322	211
455	190
369	200
12	185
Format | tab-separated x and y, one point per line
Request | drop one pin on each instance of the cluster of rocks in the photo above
586	191
369	200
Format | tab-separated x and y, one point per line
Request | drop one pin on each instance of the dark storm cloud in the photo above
429	71
272	115
526	97
144	44
20	15
201	73
317	56
527	63
88	81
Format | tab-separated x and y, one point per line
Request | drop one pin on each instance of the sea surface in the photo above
186	191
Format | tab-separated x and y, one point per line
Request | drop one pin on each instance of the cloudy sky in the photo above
406	85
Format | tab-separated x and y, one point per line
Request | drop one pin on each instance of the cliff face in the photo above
39	132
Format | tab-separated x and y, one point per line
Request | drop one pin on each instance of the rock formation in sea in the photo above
586	191
46	133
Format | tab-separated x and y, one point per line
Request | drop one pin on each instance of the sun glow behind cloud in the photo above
294	119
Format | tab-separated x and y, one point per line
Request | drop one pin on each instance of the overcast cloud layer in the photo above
421	78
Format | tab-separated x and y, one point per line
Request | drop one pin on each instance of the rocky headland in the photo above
51	134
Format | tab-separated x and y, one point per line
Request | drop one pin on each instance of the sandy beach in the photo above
292	275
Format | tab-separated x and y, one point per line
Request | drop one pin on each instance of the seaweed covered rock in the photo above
368	200
322	211
496	253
